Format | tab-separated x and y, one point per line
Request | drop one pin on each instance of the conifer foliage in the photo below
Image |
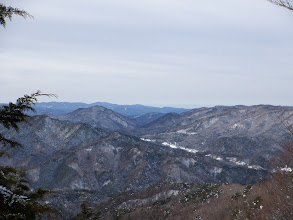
17	200
283	3
8	12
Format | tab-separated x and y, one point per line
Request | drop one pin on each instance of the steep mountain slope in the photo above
146	118
251	134
44	137
119	163
101	117
269	200
161	123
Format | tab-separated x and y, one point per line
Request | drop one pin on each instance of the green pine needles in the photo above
8	12
17	200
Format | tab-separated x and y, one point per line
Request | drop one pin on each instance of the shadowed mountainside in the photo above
64	155
253	133
101	117
146	118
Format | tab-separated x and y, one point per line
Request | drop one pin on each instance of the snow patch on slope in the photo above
184	131
286	169
214	157
242	163
171	145
179	147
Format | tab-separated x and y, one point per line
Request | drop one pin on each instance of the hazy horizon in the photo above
186	106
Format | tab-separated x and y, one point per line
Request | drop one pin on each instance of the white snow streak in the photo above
286	169
171	145
179	147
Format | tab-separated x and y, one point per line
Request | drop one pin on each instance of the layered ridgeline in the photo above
65	155
100	150
101	117
247	135
61	108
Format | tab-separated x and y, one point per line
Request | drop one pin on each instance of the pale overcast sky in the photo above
156	52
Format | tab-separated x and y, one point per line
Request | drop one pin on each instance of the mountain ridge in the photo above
61	108
99	116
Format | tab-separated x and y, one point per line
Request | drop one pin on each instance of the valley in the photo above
93	154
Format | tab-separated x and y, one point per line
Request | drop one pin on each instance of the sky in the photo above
182	53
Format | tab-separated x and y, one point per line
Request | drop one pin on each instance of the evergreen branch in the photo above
283	3
12	114
4	153
8	12
9	142
17	200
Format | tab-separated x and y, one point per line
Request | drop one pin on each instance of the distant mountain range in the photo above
61	108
